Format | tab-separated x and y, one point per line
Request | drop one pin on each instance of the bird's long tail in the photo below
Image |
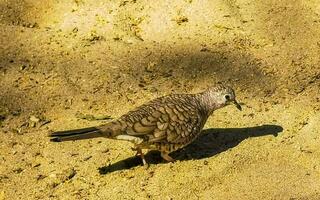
107	131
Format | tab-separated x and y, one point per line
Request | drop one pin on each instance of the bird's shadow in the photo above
209	143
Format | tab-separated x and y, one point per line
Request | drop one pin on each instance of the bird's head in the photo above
220	96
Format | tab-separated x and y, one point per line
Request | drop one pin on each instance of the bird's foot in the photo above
166	157
140	153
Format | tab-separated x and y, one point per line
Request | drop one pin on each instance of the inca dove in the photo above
165	124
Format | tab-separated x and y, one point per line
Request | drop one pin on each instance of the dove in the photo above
165	124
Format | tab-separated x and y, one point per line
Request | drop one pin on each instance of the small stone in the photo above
40	177
34	119
87	158
22	67
18	170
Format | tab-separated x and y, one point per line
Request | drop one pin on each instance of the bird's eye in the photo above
227	97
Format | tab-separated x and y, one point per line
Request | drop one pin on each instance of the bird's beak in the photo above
237	105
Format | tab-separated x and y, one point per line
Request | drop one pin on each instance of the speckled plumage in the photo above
165	124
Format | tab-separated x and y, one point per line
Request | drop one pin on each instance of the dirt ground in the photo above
64	61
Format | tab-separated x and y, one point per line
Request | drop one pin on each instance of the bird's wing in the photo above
173	120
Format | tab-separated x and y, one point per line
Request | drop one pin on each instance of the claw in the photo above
140	153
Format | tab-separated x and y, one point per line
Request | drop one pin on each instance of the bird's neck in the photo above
208	100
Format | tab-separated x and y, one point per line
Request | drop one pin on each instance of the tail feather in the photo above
77	134
73	132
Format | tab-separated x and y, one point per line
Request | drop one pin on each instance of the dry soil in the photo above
64	61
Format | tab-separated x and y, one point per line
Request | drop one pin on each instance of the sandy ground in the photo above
62	60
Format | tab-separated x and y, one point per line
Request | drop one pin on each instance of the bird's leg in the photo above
143	158
140	153
166	156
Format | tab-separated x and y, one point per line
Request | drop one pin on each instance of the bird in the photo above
165	124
